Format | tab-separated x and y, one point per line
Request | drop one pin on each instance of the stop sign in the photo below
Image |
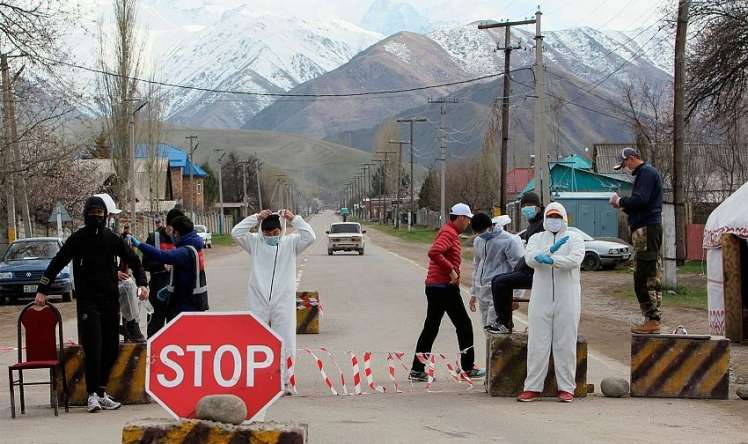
210	353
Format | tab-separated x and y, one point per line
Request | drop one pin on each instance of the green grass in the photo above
223	240
690	267
423	235
684	296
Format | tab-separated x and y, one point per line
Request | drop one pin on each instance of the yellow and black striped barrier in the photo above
506	366
126	380
307	313
680	366
163	431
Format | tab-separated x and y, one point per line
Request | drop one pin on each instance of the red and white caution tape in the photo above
369	375
340	371
291	375
391	372
321	368
428	360
450	368
356	374
308	303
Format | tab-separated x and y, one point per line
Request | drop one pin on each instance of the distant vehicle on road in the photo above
205	235
602	253
23	265
346	236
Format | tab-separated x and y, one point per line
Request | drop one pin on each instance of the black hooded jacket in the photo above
534	225
94	251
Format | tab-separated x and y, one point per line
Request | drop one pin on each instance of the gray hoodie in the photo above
496	252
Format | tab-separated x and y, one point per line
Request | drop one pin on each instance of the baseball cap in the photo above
554	212
461	209
111	207
502	220
623	155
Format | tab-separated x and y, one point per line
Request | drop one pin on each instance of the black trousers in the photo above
502	289
446	300
160	309
98	329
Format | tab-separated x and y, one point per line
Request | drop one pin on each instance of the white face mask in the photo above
554	225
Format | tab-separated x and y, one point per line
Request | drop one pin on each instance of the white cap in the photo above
461	209
502	220
111	207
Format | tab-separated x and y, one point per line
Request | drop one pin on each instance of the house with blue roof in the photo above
186	178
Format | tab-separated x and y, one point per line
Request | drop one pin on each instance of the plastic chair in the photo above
43	350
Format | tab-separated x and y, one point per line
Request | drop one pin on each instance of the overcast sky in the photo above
557	14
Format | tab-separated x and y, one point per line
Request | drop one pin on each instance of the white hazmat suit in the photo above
555	305
272	277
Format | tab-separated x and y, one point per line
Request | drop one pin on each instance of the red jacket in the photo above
445	255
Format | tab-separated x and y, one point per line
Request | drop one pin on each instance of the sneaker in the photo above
477	373
528	396
498	328
93	403
287	392
134	333
651	327
107	403
416	376
565	396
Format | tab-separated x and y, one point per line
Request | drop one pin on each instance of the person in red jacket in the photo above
443	295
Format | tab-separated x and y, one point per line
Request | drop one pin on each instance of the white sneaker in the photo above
93	403
107	403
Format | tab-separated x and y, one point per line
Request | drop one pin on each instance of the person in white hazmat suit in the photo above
555	305
272	278
495	251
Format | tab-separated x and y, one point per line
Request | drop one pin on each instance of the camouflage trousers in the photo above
648	269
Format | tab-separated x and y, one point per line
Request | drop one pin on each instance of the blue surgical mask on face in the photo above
273	241
529	212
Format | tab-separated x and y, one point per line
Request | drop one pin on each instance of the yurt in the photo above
726	243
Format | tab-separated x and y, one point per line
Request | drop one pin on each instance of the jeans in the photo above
502	288
446	300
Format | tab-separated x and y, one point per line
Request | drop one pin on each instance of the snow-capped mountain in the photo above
389	17
259	52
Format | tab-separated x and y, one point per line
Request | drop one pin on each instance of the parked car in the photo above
23	265
602	253
205	235
347	236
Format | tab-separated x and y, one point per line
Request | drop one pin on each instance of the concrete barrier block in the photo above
506	366
307	312
193	431
680	366
126	381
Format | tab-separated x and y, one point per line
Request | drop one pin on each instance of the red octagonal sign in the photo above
205	353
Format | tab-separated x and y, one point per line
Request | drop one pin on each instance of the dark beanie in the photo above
173	214
529	198
182	225
271	223
480	222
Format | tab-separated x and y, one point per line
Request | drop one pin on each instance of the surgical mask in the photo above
529	212
273	241
554	225
97	222
488	234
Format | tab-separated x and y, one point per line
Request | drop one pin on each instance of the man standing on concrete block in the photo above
443	295
555	305
644	210
272	279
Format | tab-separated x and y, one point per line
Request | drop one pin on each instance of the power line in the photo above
267	94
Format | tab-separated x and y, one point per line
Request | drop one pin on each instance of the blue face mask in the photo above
273	241
529	212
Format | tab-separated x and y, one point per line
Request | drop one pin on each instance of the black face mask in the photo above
95	222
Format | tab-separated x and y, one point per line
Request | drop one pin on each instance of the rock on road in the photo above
376	303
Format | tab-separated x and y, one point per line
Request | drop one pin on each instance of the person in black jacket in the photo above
94	250
644	210
159	274
503	285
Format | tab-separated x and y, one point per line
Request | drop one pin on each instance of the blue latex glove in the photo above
134	240
556	245
544	259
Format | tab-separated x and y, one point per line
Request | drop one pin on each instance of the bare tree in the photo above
151	128
386	132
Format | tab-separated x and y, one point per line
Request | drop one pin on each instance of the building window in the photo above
199	188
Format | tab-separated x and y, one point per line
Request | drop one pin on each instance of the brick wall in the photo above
199	193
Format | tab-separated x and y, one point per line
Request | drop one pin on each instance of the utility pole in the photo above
412	144
679	189
221	219
244	189
133	199
259	187
399	144
192	139
8	160
541	157
505	99
443	138
369	188
380	191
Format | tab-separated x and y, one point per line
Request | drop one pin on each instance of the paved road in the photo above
375	303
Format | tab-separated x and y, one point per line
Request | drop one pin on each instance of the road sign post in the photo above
206	353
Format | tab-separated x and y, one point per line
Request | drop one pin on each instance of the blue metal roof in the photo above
177	158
